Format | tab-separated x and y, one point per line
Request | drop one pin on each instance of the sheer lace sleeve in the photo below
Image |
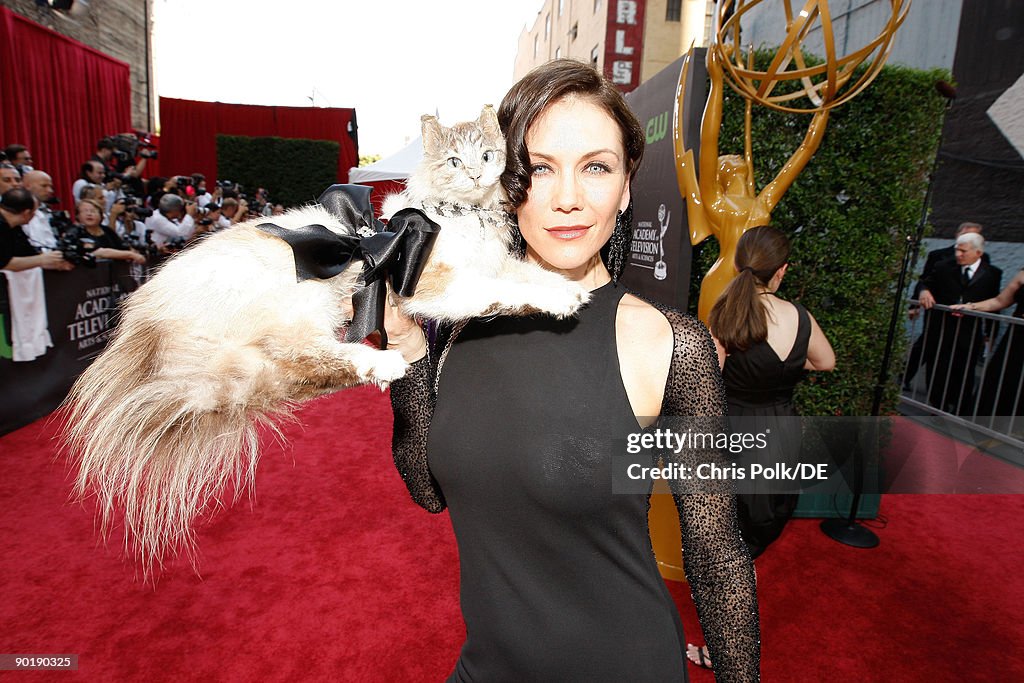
718	564
412	402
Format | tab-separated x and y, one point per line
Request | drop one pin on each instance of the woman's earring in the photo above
620	242
518	245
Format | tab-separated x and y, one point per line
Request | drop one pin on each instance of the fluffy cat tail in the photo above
160	443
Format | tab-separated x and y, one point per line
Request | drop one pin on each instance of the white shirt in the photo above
165	229
971	269
38	230
109	196
123	226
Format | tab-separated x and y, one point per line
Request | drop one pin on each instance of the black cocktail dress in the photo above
759	387
558	579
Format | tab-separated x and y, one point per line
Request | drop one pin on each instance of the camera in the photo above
76	245
142	243
128	146
60	221
175	244
133	206
203	216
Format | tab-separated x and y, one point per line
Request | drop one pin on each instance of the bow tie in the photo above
395	254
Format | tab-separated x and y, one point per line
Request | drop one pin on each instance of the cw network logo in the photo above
657	128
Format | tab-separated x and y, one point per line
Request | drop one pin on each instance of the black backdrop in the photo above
659	265
80	306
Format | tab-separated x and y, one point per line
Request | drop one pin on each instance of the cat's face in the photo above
466	160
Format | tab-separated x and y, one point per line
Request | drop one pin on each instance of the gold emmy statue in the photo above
721	197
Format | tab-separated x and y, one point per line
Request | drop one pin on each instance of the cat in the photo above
471	271
221	341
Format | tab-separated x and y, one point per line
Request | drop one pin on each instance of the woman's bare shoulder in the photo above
644	318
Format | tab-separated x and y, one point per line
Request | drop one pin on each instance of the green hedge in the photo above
293	171
847	214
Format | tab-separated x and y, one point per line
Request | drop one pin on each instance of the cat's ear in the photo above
489	121
431	129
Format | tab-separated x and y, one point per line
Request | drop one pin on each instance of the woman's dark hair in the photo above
738	319
544	86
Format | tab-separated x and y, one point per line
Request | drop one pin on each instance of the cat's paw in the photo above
564	300
381	367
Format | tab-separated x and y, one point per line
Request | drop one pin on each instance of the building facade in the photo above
119	28
629	40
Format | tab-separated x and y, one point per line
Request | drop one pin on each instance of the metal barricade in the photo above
966	366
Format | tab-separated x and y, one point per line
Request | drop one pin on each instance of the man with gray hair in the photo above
935	257
172	221
957	340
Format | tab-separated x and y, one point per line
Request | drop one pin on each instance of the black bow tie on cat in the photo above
395	253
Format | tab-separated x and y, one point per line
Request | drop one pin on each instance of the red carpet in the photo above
334	574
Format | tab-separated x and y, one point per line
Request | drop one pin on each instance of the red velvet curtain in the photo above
59	97
189	129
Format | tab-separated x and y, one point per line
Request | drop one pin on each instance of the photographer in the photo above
202	196
232	211
129	155
105	243
17	207
40	229
19	157
105	153
208	220
9	177
125	221
172	223
95	173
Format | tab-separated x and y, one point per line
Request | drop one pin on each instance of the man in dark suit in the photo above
935	257
953	342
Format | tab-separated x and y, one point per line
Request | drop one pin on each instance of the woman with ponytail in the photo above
765	346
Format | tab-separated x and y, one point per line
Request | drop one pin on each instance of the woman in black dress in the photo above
765	345
104	242
511	424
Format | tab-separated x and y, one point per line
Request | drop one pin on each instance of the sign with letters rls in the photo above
624	42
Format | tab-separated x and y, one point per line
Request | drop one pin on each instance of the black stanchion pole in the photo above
849	530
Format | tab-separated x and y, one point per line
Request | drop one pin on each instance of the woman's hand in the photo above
54	260
404	333
116	210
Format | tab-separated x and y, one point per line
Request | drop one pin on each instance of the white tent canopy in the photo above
398	166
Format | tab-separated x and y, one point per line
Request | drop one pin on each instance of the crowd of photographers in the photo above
116	212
